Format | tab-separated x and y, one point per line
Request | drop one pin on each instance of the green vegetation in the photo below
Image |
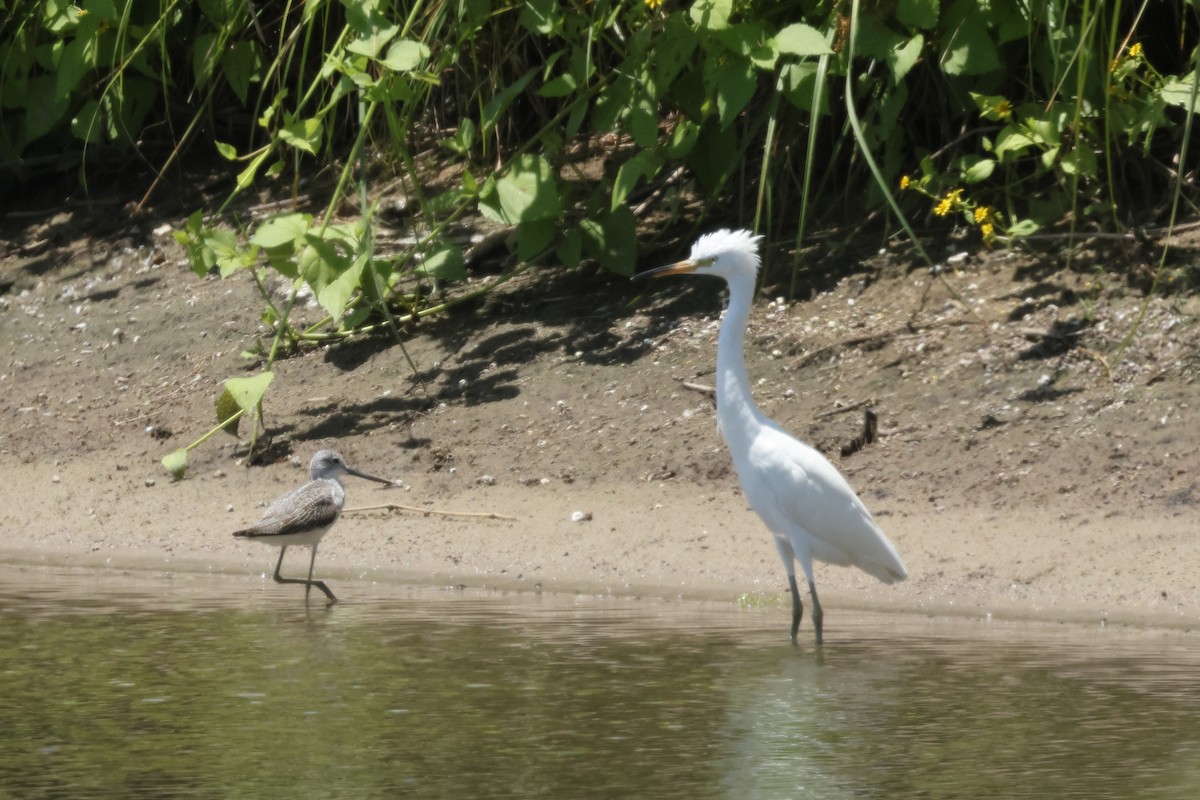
569	123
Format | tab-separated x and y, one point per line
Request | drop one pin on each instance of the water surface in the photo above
142	686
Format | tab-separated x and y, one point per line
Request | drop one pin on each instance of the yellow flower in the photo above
948	203
988	230
653	4
904	181
982	214
1136	50
1003	109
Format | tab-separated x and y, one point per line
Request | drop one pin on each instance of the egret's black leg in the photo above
797	607
818	616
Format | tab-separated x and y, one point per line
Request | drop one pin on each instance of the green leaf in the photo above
528	191
994	107
302	134
131	100
799	84
919	14
713	157
246	176
745	38
542	16
643	165
672	52
446	262
248	392
58	16
87	124
1011	140
970	49
204	57
1178	92
643	121
904	57
45	108
176	462
1080	160
559	86
240	65
736	83
77	57
321	260
335	295
611	239
377	34
285	229
799	39
711	14
611	104
227	151
533	238
463	139
406	55
1045	131
229	413
569	248
101	10
214	247
980	170
501	101
1025	227
683	139
876	39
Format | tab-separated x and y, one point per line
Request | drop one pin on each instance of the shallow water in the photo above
141	686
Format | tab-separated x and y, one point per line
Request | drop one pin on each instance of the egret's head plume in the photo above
726	252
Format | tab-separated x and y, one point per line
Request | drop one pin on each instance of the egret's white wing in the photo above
806	491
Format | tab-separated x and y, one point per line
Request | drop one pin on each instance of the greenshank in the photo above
306	513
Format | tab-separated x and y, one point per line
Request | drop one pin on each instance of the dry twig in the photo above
439	512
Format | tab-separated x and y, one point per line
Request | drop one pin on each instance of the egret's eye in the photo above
706	262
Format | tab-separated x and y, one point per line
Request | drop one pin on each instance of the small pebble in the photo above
486	480
581	516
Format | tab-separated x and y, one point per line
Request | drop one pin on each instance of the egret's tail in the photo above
892	572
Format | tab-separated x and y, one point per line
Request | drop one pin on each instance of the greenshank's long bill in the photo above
306	513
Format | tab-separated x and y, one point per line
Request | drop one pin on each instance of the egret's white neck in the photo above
739	417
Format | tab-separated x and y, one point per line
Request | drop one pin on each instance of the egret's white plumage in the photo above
305	514
807	504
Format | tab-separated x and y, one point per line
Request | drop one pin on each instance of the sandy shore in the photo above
1020	474
666	539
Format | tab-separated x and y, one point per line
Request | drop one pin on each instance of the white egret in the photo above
807	504
306	513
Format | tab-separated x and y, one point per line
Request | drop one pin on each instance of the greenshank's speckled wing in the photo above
305	508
